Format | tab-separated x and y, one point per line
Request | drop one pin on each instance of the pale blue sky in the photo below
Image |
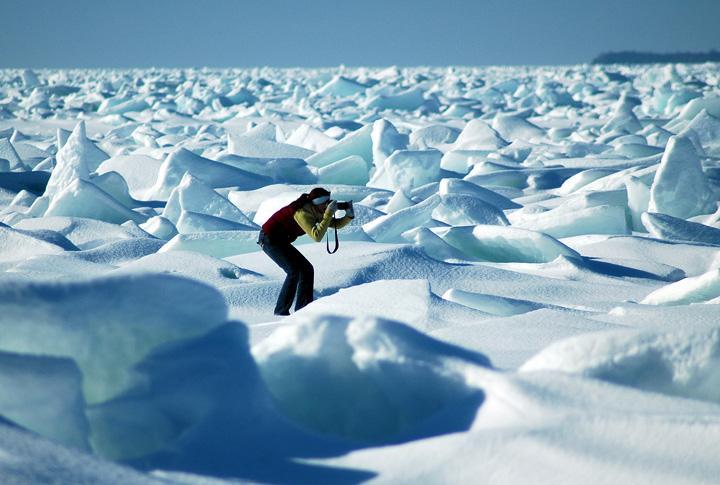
185	33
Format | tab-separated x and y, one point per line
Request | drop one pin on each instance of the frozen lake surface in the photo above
529	293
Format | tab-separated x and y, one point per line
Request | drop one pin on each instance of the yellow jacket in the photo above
315	222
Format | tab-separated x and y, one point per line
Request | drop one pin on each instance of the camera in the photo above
344	205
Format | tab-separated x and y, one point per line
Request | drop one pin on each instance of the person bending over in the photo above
310	214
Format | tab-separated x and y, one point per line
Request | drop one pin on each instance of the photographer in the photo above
310	214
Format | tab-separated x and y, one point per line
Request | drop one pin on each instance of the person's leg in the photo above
283	255
305	281
304	276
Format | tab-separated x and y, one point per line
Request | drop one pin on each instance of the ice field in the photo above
529	293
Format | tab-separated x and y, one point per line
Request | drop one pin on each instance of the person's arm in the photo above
312	227
340	223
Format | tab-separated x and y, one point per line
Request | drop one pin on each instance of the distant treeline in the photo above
634	57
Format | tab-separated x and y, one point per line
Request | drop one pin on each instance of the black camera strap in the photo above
327	242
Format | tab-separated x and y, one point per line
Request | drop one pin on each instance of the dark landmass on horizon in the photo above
637	57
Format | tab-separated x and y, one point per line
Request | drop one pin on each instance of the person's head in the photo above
319	197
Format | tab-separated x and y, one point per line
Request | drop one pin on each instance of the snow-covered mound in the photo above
190	264
370	379
82	232
47	397
189	394
17	244
681	363
105	324
504	244
495	305
29	458
696	289
521	415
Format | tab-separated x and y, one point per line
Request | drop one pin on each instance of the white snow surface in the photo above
529	292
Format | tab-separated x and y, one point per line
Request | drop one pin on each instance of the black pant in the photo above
299	271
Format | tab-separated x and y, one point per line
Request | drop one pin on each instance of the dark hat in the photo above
318	195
